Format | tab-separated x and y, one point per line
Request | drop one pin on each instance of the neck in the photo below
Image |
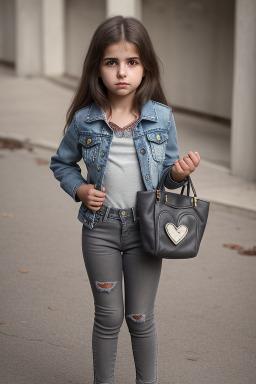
121	104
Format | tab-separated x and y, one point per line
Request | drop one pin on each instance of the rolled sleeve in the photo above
64	162
172	184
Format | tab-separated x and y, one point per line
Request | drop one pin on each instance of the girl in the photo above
121	126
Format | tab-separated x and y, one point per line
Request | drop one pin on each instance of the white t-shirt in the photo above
122	177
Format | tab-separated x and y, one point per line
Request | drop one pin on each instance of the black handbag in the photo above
171	224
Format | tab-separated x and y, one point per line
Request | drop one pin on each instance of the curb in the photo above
249	212
233	208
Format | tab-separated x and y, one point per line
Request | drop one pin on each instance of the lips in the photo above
122	84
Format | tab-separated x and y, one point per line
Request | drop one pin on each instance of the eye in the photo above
133	62
110	63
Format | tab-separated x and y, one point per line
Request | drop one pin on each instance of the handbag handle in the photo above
188	179
189	182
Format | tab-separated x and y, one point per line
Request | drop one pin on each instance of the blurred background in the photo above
206	306
207	49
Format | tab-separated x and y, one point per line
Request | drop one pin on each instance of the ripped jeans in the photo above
113	249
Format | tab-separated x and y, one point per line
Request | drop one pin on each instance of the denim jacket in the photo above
89	137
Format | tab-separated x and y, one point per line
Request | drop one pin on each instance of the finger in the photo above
96	204
97	199
176	162
183	165
93	208
97	193
189	162
195	158
178	168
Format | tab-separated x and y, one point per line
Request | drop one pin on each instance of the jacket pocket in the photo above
157	140
90	147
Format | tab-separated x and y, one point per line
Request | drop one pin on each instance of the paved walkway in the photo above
33	109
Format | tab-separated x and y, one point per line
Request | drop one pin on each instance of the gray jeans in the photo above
113	249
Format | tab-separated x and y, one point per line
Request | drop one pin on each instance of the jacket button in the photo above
143	151
158	137
88	141
102	154
147	177
85	220
99	169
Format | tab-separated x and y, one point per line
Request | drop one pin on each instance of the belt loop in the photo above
106	214
134	213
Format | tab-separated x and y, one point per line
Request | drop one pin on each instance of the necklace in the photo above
125	131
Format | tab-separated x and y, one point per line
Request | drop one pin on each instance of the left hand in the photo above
183	167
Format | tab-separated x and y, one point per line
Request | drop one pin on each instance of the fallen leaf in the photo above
233	246
249	252
10	143
52	308
5	214
42	161
14	144
1	322
23	271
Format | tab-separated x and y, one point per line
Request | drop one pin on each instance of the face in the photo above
121	69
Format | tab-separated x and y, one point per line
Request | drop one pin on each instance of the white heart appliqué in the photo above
176	234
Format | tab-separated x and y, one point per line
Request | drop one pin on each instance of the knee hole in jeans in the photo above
107	286
137	317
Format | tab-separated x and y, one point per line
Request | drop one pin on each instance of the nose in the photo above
122	70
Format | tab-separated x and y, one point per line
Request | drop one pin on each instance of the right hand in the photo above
91	197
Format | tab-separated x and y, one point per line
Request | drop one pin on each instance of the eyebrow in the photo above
115	58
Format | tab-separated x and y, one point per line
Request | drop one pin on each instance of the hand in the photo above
91	197
183	168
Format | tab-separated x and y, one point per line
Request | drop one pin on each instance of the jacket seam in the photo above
166	106
75	126
86	107
170	120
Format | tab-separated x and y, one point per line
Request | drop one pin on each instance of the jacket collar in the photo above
95	112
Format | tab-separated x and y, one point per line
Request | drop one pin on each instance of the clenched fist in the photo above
91	197
183	167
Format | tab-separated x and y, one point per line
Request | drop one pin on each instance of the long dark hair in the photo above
91	88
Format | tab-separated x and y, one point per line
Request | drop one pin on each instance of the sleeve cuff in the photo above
172	184
74	195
